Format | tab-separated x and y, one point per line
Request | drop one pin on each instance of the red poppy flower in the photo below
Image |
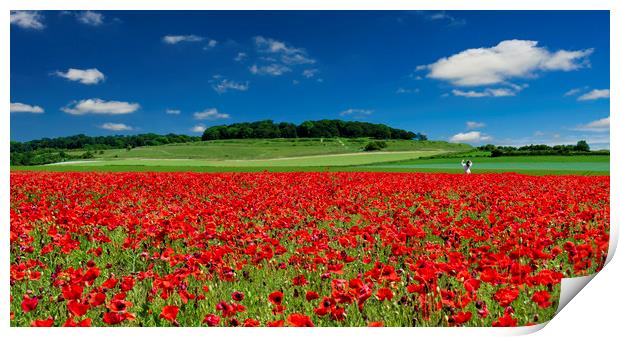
169	313
237	296
275	323
542	298
299	320
505	321
311	295
83	323
375	324
276	297
506	296
42	323
29	303
76	308
211	320
384	293
250	322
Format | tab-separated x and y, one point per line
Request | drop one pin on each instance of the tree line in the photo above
83	142
581	147
308	129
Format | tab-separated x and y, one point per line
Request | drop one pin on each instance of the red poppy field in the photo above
299	249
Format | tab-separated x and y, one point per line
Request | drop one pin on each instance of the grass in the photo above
284	155
255	149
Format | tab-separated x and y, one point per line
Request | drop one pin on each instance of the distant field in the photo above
254	149
596	165
282	155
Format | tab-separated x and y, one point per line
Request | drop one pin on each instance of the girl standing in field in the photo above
466	166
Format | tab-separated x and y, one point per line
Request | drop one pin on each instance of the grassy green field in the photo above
282	155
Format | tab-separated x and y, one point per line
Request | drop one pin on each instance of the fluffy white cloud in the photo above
499	92
443	16
356	112
309	73
86	76
174	39
225	85
594	94
21	107
98	106
599	125
116	127
475	125
271	69
198	128
210	114
27	19
240	57
469	137
173	111
90	18
508	59
572	92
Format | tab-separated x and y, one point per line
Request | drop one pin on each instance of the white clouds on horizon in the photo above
474	125
273	69
174	39
21	107
241	57
507	60
198	128
224	85
469	137
210	114
594	94
27	19
99	106
116	127
599	125
90	18
86	76
359	113
499	92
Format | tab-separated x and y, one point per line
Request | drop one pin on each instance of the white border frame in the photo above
593	311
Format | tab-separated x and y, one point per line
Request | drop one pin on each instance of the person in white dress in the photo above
467	166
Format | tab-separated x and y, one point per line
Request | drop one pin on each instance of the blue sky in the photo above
502	77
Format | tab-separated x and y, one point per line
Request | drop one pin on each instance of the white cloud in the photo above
86	76
271	69
210	44
21	107
174	39
98	106
225	85
116	127
27	19
508	59
210	114
475	125
356	112
469	137
499	92
599	125
198	128
90	18
443	16
308	73
277	57
572	92
240	57
594	94
407	91
173	111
